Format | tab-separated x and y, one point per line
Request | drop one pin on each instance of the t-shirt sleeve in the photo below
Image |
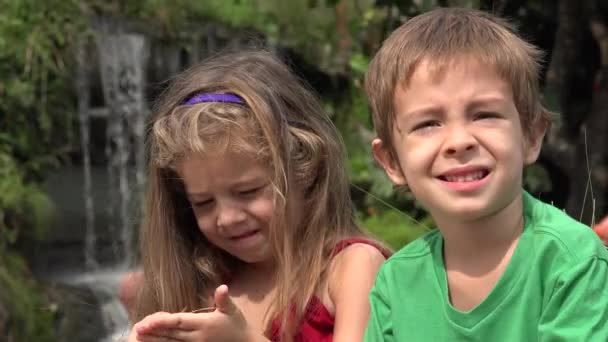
380	325
577	310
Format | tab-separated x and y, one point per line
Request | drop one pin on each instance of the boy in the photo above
455	102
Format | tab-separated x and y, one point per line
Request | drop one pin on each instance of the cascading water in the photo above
123	58
82	86
122	64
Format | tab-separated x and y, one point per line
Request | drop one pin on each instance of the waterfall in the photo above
123	59
122	64
82	90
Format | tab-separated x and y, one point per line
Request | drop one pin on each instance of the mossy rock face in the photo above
78	317
3	316
24	312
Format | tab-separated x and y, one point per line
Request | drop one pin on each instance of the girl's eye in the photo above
202	204
251	191
425	125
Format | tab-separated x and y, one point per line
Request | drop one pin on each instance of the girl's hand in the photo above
601	229
225	324
132	336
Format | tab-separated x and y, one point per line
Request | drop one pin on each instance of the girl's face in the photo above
232	199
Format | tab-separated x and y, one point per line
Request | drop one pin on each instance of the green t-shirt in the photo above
555	288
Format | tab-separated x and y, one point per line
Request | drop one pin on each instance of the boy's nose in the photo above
458	140
230	214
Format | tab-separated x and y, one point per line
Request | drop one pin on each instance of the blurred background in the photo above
78	79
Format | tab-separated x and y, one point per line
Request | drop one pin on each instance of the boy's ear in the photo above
535	141
390	166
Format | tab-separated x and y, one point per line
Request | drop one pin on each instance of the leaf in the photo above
359	63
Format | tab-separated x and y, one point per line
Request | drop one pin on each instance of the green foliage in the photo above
536	179
33	43
30	318
35	111
395	228
34	38
35	128
313	28
358	64
24	213
24	208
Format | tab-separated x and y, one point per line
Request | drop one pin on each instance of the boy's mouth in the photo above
464	175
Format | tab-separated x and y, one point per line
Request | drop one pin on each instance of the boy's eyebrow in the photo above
437	110
428	110
486	100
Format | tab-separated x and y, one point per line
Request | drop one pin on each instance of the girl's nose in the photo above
230	214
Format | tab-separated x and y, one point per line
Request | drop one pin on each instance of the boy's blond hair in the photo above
446	36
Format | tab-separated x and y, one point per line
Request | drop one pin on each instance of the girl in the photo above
249	233
601	229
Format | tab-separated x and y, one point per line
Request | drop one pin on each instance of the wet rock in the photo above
78	317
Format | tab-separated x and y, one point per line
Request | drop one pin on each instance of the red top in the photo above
318	324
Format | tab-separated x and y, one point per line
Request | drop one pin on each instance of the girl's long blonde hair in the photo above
282	124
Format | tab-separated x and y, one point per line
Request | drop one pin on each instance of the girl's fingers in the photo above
223	302
167	335
145	323
181	321
151	338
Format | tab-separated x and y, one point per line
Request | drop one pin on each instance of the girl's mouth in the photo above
245	235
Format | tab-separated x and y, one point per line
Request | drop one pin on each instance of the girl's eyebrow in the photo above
249	180
241	182
196	194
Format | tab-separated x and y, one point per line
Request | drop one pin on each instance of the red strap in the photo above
347	242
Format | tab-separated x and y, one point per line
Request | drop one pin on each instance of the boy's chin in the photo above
463	210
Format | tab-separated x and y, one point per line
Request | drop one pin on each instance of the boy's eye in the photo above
425	124
486	115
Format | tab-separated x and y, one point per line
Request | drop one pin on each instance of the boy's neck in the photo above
471	241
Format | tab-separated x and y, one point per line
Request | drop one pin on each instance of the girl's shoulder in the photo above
364	244
355	263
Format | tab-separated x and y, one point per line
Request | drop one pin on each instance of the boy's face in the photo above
458	141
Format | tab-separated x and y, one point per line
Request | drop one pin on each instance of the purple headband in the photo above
200	98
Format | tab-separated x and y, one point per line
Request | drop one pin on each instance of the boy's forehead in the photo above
467	82
436	68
